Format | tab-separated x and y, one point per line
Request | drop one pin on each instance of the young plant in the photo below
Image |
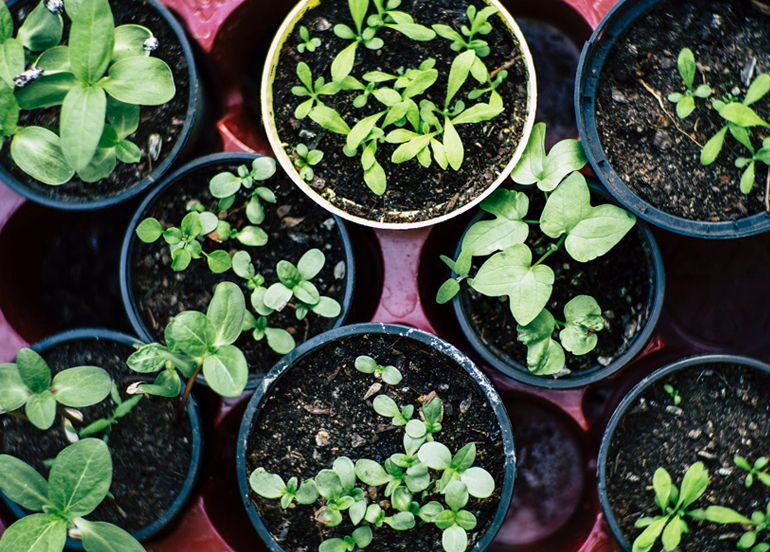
754	471
28	384
79	481
389	374
313	90
305	161
273	486
92	80
278	339
309	44
455	522
673	393
361	538
226	185
104	425
467	39
198	342
385	406
459	467
338	488
685	102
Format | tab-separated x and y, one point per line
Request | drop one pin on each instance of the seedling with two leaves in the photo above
306	159
389	374
685	101
467	38
754	470
673	393
28	383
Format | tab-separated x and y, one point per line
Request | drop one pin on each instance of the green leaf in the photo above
167	384
362	129
478	481
435	455
307	492
192	333
92	40
343	62
447	291
478	114
758	89
53	61
458	74
646	540
334	545
80	477
584	319
37	151
82	122
410	149
713	147
129	41
507	229
329	484
693	485
11	61
81	386
311	263
366	365
686	66
720	514
99	536
155	88
685	107
511	273
41	410
463	458
548	171
672	534
599	232
661	482
370	473
307	293
358	9
226	371
453	145
328	308
252	236
268	485
402	521
149	230
329	119
35	533
226	312
101	166
22	484
344	468
6	23
385	406
544	355
362	536
9	111
123	117
224	184
48	91
741	115
530	166
747	180
33	370
128	152
454	539
13	392
276	296
41	29
456	495
391	375
279	340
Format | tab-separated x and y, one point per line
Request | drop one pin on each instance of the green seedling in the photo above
457	468
685	102
759	522
305	161
92	81
79	481
673	393
416	478
307	44
338	488
401	521
273	486
455	522
195	343
278	339
431	414
467	39
360	538
28	384
385	406
388	374
104	425
226	185
754	471
313	90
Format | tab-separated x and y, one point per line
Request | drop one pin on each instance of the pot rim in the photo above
126	290
590	66
519	372
268	120
194	107
175	509
629	400
283	366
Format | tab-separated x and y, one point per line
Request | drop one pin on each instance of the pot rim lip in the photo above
276	144
592	61
126	291
630	399
193	105
175	508
283	367
521	374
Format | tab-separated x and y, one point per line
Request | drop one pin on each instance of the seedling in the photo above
389	374
673	393
385	406
313	90
226	185
586	233
309	44
104	425
754	471
360	538
198	342
28	383
305	161
479	25
93	82
455	522
273	486
457	468
278	339
79	481
685	102
759	522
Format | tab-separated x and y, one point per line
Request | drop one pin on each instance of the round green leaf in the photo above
129	41
435	455
41	410
311	263
328	308
224	185
268	485
402	521
366	364
35	533
13	392
80	477
344	468
390	374
415	429
454	539
101	165
277	296
226	312
371	473
192	332
155	88
279	340
81	386
41	29
128	152
149	230
253	236
385	406
37	151
479	482
226	371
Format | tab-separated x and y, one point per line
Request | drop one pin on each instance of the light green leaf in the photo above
311	263
48	91
661	482
329	119
758	89
33	370
99	536
92	40
584	319
22	484
156	87
35	533
478	481
362	129
6	23
478	114
123	117
37	151
224	184
11	61
129	41
192	332
454	539
80	477
41	410
414	31
486	237
598	232
685	107
13	392
565	157
127	152
226	312
672	534
343	62
101	166
410	149
53	61
747	180
41	29
385	406
693	485
713	147
435	455
544	355
9	111
279	340
646	540
530	167
358	10
740	114
458	74
375	178
720	514
453	145
277	295
447	291
345	469
268	485
686	66
327	307
81	386
82	122
371	473
252	236
402	521
226	371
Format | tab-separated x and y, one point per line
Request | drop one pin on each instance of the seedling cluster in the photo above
739	119
294	287
586	232
406	113
425	482
93	81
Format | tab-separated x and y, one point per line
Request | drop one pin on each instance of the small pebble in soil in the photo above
618	96
662	140
322	438
339	270
329	224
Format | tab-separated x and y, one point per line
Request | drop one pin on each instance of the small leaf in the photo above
447	291
13	392
279	340
646	540
686	66
268	485
758	89
41	410
453	146
713	147
672	534
530	167
685	107
741	115
720	514
156	87
747	180
329	119
385	406
311	263
226	312
693	485
371	473
454	539
458	74
224	185
342	64
33	370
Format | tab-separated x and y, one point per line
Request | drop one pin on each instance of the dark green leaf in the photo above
128	152
33	370
22	484
101	166
100	536
447	291
123	117
192	332
48	91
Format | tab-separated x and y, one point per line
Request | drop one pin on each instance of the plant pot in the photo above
646	155
339	184
138	472
409	349
177	123
301	226
631	307
723	412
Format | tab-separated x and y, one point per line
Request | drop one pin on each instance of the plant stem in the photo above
560	323
17	414
551	250
530	221
767	190
187	390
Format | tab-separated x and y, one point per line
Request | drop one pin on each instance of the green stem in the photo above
551	250
17	414
560	323
531	221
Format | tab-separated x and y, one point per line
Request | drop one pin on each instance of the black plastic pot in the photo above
592	60
183	145
167	517
519	372
310	347
130	302
628	401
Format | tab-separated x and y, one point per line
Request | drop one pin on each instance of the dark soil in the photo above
322	401
151	450
294	225
166	121
657	160
621	282
414	193
724	412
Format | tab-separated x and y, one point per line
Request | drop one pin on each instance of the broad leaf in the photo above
548	171
6	23
155	88
740	114
435	455
661	482
192	332
53	61
371	473
13	392
37	151
599	232
99	536
544	355
478	481
34	370
311	263
584	318
100	167
226	371
566	206
22	484
279	340
713	147
81	386
48	91
226	312
41	410
80	477
123	117
672	534
693	485
35	533
268	485
686	66
507	229
329	119
82	122
758	89
41	29
458	74
129	42
92	40
343	62
345	469
11	61
454	539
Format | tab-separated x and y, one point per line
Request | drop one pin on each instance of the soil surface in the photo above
165	121
621	282
724	412
151	450
414	193
295	224
323	403
653	151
